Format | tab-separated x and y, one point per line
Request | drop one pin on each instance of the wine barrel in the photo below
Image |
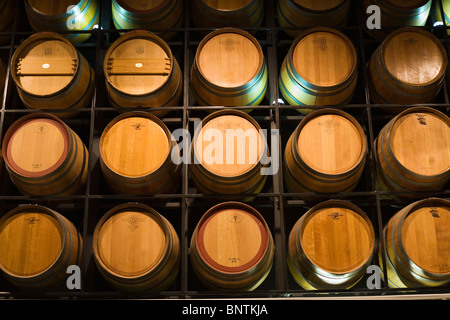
292	14
417	245
407	68
136	155
64	17
44	157
326	153
149	15
224	13
49	73
37	246
232	248
319	69
140	71
136	249
396	14
330	246
228	153
7	15
229	70
413	152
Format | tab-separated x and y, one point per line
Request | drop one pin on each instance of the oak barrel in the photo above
413	151
407	68
37	245
225	13
141	72
232	248
136	249
228	153
7	15
319	69
326	153
50	73
292	14
330	246
395	14
64	16
44	157
149	15
418	246
136	153
229	70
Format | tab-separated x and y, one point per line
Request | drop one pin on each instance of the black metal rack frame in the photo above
185	207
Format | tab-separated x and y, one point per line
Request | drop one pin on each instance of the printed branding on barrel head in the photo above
32	220
434	212
229	44
235	218
335	215
41	129
321	43
422	119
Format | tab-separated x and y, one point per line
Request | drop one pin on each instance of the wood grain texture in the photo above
37	245
229	60
413	151
229	69
330	246
136	249
52	7
320	5
44	156
229	154
49	73
141	72
330	144
418	244
326	153
232	247
407	68
136	155
320	68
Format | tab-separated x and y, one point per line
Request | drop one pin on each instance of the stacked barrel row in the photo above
136	248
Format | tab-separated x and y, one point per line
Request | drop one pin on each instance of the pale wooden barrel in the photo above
136	249
136	155
407	68
319	69
413	151
49	73
149	15
232	248
417	245
55	16
141	72
326	153
229	163
229	70
397	13
44	157
311	13
37	246
226	13
330	246
7	15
